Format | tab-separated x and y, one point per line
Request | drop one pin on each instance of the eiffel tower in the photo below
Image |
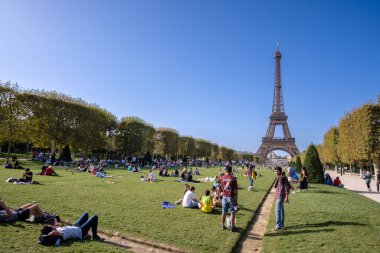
278	117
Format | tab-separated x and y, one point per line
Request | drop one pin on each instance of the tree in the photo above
186	146
313	165
167	140
12	115
203	148
214	151
298	164
134	136
330	146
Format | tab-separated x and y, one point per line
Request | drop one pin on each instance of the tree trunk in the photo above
53	146
9	148
85	154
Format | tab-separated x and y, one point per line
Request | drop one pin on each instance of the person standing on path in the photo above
378	180
230	196
282	192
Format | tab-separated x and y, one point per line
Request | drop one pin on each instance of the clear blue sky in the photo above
205	68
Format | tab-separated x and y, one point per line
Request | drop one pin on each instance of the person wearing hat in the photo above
282	192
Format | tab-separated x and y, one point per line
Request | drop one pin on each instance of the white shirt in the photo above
189	196
70	232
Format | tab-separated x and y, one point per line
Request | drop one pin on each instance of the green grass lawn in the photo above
326	219
128	206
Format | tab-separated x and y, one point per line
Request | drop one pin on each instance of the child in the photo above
206	203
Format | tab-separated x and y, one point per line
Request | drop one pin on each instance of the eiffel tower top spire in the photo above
278	102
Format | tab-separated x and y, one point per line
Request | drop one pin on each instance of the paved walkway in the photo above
355	183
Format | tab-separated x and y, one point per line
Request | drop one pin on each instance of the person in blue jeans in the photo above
77	231
282	192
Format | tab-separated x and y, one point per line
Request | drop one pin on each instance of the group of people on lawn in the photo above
50	233
225	195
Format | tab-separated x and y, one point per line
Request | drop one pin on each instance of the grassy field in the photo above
326	219
128	206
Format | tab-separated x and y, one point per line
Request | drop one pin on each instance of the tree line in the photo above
354	143
49	119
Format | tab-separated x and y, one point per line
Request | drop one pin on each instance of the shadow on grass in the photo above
287	232
12	223
241	207
368	192
326	192
326	224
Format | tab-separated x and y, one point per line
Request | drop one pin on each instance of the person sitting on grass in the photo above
189	200
175	173
338	183
50	172
217	191
152	177
7	164
328	179
50	234
16	165
27	177
21	214
196	172
187	187
206	204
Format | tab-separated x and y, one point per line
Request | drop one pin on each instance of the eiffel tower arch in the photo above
278	118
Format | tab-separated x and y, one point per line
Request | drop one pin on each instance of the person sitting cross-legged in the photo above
206	204
189	200
77	231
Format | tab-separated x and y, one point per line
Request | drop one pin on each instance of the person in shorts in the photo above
20	214
230	196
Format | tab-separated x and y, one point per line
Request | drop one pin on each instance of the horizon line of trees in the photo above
49	119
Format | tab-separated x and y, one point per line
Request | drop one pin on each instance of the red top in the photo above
337	182
48	171
229	185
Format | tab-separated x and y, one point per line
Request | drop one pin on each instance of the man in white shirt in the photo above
189	200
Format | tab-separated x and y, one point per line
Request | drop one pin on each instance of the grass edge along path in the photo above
326	218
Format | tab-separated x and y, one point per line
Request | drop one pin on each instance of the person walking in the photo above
230	196
367	177
282	192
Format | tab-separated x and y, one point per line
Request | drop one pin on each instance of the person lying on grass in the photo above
50	234
206	204
21	214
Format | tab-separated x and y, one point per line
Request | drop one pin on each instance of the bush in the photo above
298	164
313	165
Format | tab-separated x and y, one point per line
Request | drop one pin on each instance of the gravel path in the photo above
355	183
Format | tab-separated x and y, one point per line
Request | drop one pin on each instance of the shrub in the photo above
313	165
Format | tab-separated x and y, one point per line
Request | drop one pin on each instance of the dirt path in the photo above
252	240
133	246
